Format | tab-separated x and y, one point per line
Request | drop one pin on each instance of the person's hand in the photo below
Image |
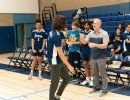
116	38
70	44
34	51
92	45
40	50
71	68
82	36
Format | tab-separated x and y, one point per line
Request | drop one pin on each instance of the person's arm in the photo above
63	41
84	40
32	43
63	58
43	45
101	46
127	41
114	39
119	40
67	41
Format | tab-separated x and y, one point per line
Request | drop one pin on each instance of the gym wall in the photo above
67	7
23	19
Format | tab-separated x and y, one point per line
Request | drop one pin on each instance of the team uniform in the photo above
38	41
127	45
85	48
58	68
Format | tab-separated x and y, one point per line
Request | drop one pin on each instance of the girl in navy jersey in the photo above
38	42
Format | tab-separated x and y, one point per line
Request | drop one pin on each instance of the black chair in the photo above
125	70
111	69
15	55
21	58
27	61
46	65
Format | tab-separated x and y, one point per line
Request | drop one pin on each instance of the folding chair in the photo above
45	65
16	54
112	67
21	58
27	61
124	70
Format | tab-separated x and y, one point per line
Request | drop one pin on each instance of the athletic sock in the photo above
31	72
91	78
87	78
40	72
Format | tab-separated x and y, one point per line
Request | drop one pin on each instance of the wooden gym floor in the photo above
15	86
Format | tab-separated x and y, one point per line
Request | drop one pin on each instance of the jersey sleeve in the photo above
62	35
81	32
44	35
57	40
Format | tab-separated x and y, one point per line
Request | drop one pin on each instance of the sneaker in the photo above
30	77
103	93
85	82
91	84
40	77
94	90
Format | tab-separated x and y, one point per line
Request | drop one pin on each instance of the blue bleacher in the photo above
104	23
111	23
112	28
121	18
102	19
69	21
69	18
111	32
126	21
127	17
119	22
114	14
105	28
108	14
107	19
114	18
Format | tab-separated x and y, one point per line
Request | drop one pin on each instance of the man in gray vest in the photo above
98	41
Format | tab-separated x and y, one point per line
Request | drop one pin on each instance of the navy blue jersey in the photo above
38	39
54	40
62	35
127	36
85	47
117	43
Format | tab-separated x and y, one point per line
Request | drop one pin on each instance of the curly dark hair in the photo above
59	22
38	21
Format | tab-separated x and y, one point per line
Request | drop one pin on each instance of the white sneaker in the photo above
30	77
40	77
85	82
91	84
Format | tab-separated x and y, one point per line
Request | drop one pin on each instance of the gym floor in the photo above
15	86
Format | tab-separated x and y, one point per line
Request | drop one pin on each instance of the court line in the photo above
28	94
97	95
29	81
2	98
